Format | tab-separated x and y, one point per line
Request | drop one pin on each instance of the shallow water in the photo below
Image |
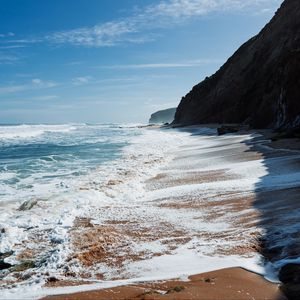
36	160
63	172
132	204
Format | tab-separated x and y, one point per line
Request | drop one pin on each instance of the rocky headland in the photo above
163	116
259	85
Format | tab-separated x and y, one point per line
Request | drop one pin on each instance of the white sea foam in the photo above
116	190
181	264
57	208
30	131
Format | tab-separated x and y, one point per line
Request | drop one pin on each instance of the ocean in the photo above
39	161
52	174
47	163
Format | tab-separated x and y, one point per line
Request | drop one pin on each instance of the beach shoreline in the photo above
231	283
206	210
257	287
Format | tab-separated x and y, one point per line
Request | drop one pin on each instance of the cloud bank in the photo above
138	26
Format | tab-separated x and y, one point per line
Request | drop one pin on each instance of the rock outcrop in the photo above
289	275
163	116
259	85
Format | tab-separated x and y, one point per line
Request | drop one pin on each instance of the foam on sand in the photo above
175	203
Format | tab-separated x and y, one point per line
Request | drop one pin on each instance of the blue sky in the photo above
114	60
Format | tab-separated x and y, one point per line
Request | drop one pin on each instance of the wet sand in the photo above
233	284
217	211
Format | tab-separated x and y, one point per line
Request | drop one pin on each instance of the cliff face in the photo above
163	116
259	85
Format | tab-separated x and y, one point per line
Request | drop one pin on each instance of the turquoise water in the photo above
36	158
53	175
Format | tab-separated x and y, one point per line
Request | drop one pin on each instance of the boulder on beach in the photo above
289	275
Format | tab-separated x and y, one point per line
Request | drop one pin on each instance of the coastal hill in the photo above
163	116
259	85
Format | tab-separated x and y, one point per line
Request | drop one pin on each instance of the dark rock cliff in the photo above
163	116
259	85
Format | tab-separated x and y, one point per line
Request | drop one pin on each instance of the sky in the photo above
104	61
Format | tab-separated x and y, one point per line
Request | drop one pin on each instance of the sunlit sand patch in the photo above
240	199
99	244
117	242
165	180
230	283
27	254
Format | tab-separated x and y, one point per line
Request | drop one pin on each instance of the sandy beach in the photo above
222	202
233	284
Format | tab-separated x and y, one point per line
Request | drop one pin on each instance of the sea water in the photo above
39	161
51	175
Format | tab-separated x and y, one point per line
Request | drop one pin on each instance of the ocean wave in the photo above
58	195
24	131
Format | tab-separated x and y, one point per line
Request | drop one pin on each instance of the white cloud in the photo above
36	81
165	13
8	34
137	27
81	80
39	98
187	64
12	47
106	34
39	83
26	41
8	58
178	9
12	89
44	97
74	63
35	84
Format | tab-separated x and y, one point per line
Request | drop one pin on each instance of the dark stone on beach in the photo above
227	129
176	289
291	290
4	265
57	240
23	276
289	275
52	279
6	254
23	266
29	204
259	85
286	134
